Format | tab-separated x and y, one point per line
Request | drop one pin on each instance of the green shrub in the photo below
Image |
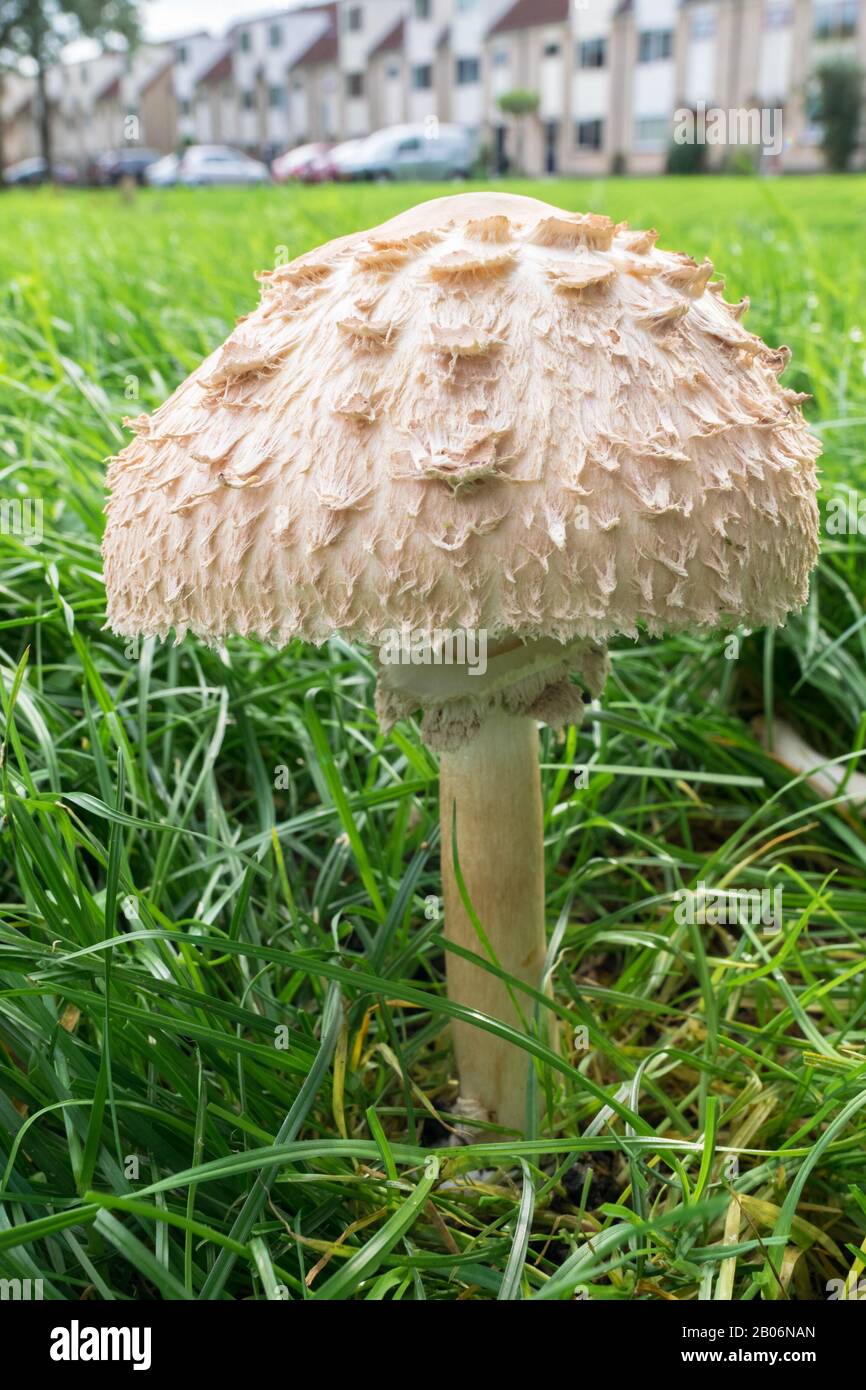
839	108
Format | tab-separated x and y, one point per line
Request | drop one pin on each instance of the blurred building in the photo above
547	86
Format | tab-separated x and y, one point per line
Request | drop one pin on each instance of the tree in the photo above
519	103
839	107
38	30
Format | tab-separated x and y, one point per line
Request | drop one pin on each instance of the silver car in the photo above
426	151
204	165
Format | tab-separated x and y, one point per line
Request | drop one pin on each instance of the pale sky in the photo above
166	19
163	19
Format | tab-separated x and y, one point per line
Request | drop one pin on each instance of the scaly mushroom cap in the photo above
486	413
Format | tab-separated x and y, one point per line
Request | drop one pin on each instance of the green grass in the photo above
169	918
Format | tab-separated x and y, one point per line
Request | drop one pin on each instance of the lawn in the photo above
238	1096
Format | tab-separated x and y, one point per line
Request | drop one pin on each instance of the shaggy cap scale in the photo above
486	413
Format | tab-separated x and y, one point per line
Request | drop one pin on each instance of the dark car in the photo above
29	172
131	162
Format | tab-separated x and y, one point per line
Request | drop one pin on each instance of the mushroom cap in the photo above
487	413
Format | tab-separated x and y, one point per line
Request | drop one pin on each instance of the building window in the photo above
245	41
778	16
276	98
392	71
248	100
354	84
651	132
185	107
835	19
466	70
592	53
275	36
551	50
422	77
589	134
423	9
500	57
181	55
85	76
354	19
654	45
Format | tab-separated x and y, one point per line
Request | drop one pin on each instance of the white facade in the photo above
425	23
470	21
193	53
263	50
701	55
653	78
362	25
590	81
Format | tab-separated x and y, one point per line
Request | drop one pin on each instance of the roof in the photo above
392	42
323	49
219	69
528	14
110	90
152	76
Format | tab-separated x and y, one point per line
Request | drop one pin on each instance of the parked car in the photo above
163	174
130	162
414	152
335	162
28	172
204	165
299	163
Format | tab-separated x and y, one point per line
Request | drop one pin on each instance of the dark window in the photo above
652	131
422	77
354	84
354	19
589	134
467	70
276	97
592	53
248	100
655	44
835	19
181	55
245	39
423	9
551	50
275	36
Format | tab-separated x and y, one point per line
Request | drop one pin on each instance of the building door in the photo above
500	162
551	133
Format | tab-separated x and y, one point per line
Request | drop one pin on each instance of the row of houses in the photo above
608	76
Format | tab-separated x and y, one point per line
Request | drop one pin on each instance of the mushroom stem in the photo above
494	783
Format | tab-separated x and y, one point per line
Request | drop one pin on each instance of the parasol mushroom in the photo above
492	417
